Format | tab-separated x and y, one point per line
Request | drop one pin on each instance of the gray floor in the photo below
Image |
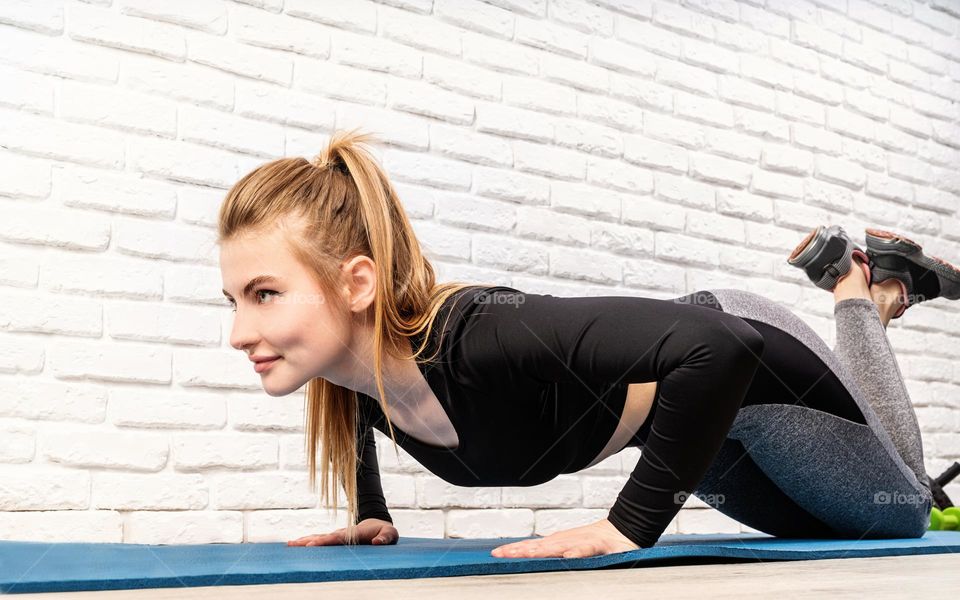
931	576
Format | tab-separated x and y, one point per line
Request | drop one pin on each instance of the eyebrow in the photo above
253	283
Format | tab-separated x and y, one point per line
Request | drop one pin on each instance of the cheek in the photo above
320	332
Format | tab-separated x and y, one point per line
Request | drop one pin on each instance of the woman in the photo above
730	395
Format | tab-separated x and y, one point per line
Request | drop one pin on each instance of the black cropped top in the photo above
514	428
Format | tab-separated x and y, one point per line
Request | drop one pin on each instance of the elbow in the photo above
738	344
731	342
723	347
750	339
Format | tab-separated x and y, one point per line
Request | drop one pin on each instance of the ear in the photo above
360	282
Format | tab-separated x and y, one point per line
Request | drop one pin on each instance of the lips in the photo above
262	365
257	359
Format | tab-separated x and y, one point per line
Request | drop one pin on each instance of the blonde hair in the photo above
344	206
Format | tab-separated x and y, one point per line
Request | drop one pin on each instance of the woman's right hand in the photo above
368	531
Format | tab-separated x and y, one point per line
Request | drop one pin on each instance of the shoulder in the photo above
476	300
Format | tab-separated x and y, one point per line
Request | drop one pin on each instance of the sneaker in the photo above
826	256
921	277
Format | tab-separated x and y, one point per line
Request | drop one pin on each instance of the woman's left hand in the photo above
595	539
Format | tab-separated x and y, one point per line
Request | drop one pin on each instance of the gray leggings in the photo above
795	466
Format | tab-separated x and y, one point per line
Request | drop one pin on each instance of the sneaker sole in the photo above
813	244
807	247
888	242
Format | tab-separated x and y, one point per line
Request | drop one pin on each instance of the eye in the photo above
256	293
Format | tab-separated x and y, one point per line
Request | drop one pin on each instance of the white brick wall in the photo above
644	147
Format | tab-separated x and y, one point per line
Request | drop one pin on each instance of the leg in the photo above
886	296
810	440
863	348
734	484
737	487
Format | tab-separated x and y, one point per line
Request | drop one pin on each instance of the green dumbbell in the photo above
948	518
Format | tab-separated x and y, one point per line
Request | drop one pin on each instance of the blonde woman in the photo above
730	395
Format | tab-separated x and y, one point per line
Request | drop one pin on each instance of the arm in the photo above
370	500
703	358
370	503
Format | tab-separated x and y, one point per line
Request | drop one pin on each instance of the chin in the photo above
277	390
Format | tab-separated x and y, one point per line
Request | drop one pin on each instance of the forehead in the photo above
254	256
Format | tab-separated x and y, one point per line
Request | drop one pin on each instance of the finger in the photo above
518	549
306	538
515	547
320	540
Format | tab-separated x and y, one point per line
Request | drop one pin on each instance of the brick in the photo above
455	142
477	16
516	522
475	213
547	225
498	54
614	173
376	54
354	16
29	177
433	492
560	492
572	263
184	527
592	138
427	169
428	100
413	30
506	253
461	77
61	140
98	449
116	192
585	200
539	95
512	186
685	249
341	82
514	122
720	170
552	37
100	26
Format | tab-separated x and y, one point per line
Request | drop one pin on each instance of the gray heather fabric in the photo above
826	475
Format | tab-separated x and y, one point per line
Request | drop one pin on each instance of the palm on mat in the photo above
595	539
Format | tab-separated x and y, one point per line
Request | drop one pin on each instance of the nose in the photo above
242	334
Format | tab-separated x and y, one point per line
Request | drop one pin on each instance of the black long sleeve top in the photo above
535	386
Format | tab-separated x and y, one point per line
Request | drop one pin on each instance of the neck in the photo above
403	382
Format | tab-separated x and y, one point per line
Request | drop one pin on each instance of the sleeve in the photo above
370	500
703	358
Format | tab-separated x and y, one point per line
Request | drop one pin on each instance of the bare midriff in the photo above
640	398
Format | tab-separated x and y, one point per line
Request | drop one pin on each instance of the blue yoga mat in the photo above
66	567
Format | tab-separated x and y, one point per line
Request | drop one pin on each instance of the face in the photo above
288	317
